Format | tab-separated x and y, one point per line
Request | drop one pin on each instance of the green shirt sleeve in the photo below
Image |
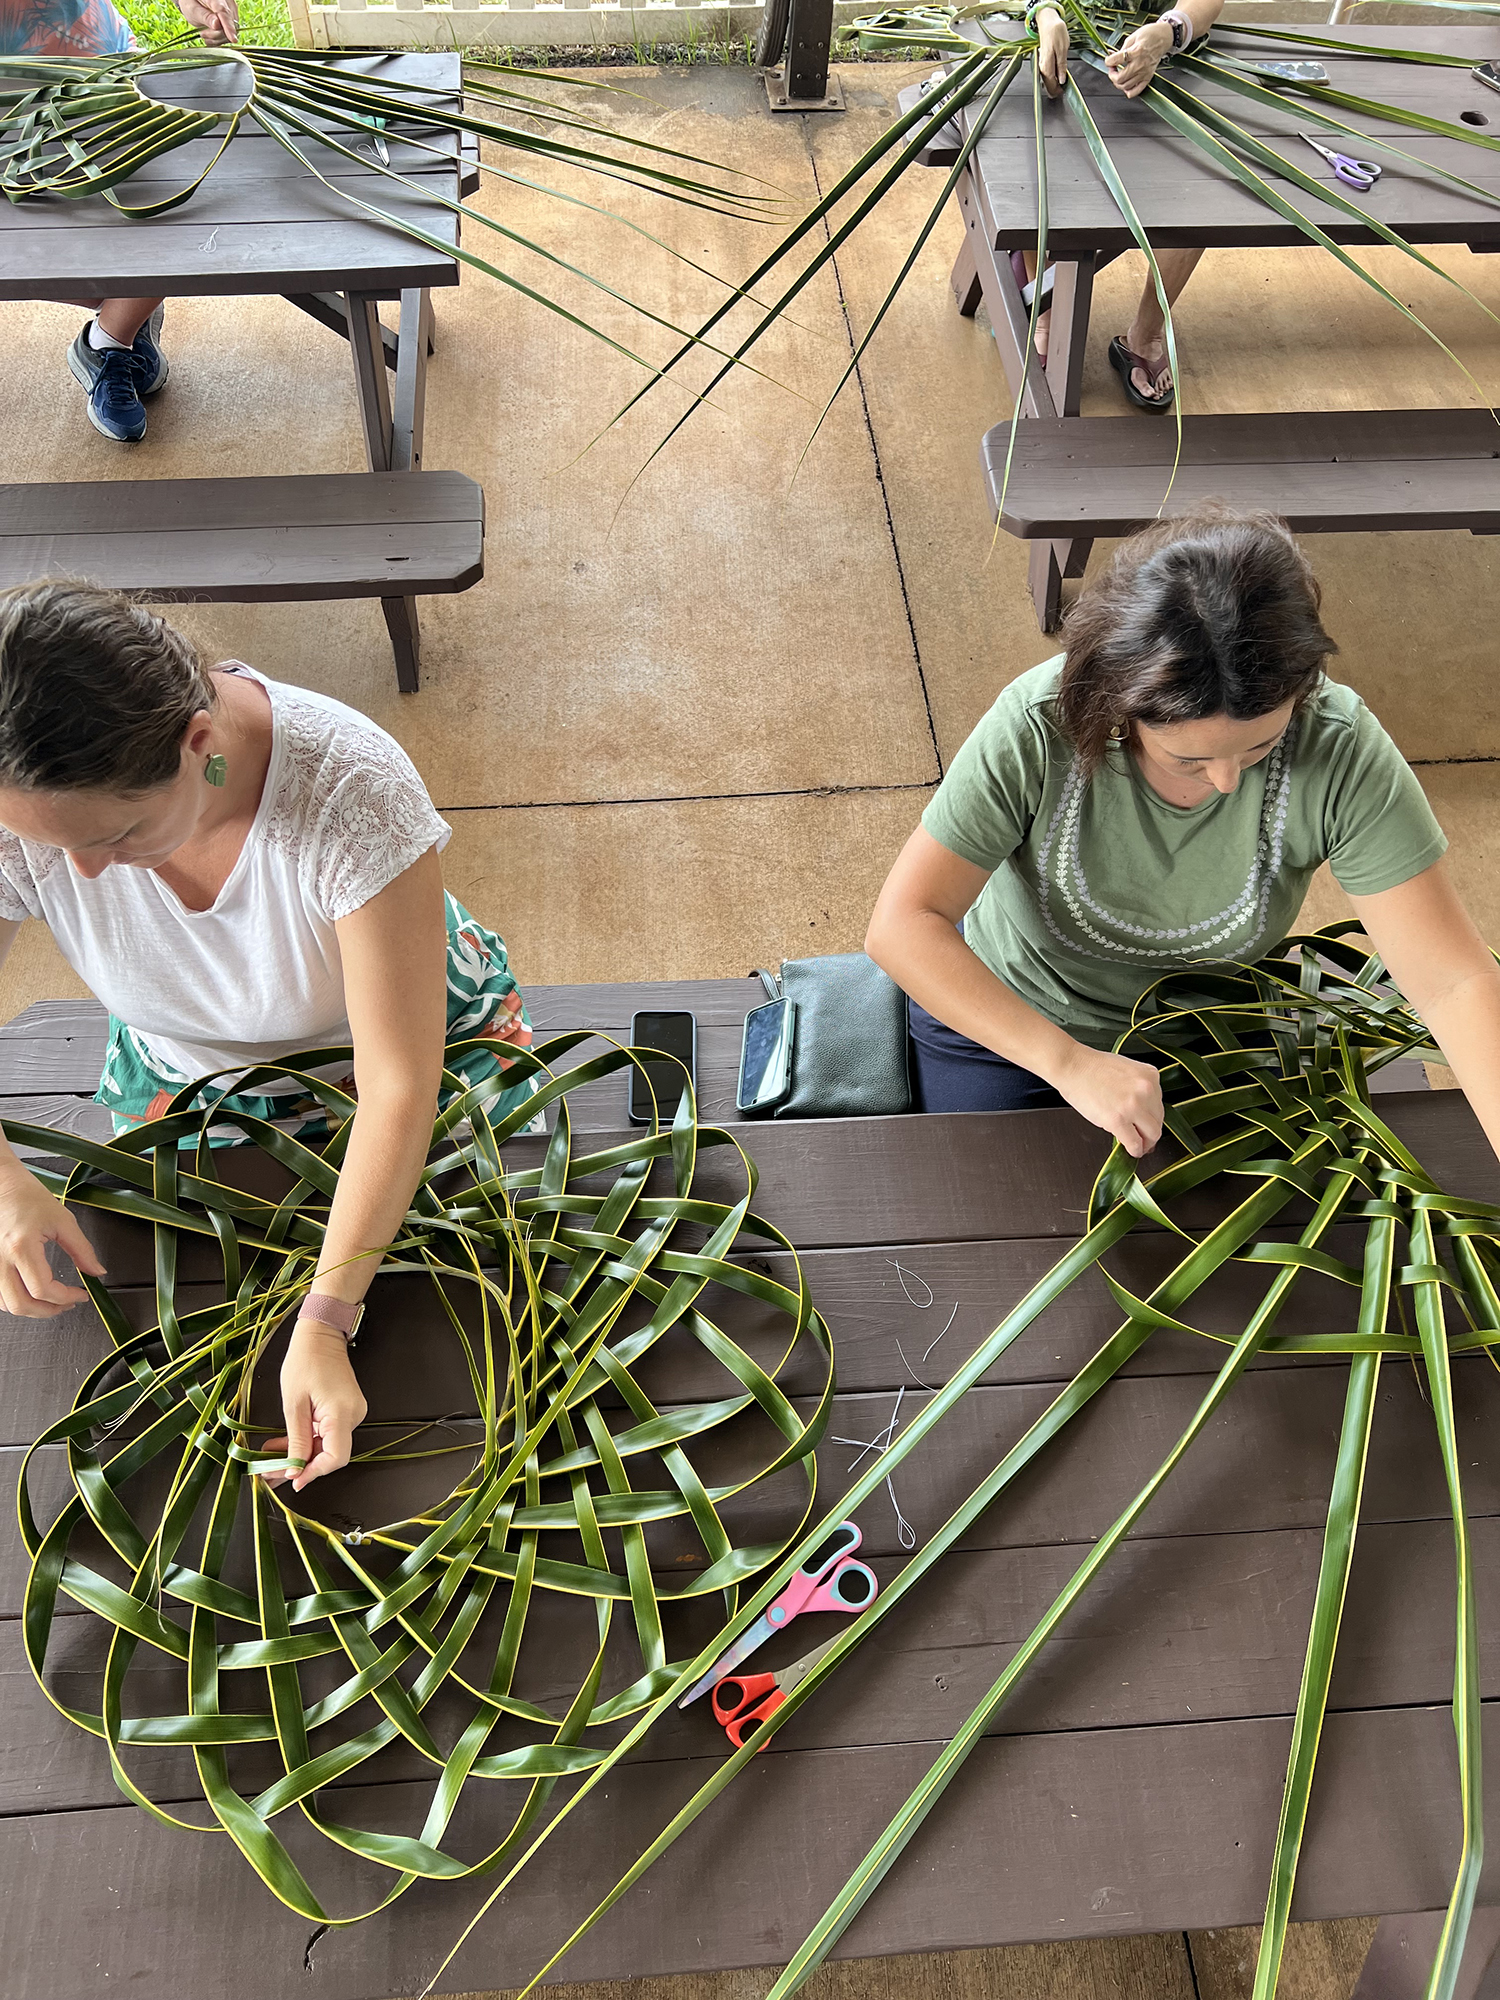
1380	831
983	809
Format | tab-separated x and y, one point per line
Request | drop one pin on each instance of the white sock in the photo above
101	341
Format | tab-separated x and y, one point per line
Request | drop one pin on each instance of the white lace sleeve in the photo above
18	896
373	820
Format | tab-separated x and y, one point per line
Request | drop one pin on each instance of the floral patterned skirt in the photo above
483	1000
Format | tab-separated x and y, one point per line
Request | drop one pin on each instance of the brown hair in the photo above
1213	613
96	692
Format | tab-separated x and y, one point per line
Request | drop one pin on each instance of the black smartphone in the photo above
766	1056
674	1035
1489	73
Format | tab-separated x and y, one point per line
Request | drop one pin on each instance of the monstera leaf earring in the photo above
216	769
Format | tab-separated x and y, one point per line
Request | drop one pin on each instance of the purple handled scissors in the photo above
1361	175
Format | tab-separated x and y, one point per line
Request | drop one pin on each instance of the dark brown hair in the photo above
1214	613
96	692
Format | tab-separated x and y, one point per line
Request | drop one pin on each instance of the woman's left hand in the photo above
508	1026
321	1402
1133	64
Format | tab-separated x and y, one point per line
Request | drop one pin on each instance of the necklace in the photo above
1060	872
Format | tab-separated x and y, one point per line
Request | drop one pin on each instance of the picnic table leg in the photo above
1402	1951
1050	393
391	438
1072	295
411	382
967	288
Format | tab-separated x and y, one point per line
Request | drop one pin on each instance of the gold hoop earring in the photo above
1116	734
216	769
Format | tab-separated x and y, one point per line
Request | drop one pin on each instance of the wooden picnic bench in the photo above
1131	1786
1326	472
251	541
262	222
1073	478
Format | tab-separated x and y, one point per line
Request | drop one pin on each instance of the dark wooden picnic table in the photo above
1184	200
263	223
1132	1784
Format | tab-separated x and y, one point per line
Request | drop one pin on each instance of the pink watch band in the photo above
337	1313
1181	26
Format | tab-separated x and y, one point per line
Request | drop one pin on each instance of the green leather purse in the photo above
849	1051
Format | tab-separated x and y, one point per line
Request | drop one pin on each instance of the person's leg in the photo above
951	1073
1043	318
122	319
1147	334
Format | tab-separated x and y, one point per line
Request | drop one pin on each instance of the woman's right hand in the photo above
30	1219
1116	1093
1052	49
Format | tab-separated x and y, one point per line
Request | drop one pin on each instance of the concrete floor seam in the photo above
699	798
885	498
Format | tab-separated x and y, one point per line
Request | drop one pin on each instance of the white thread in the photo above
933	1343
881	1439
906	1534
903	1274
912	1371
871	1444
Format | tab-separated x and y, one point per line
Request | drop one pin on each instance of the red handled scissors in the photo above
742	1702
827	1581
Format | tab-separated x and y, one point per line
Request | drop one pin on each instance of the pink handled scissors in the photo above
827	1581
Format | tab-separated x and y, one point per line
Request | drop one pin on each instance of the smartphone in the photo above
674	1035
766	1056
1487	72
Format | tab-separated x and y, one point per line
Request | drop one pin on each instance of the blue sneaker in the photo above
112	378
151	364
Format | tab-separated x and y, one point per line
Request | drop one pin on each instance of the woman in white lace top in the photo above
238	869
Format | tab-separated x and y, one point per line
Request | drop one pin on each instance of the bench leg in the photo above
393	434
406	640
965	280
1403	1949
1044	576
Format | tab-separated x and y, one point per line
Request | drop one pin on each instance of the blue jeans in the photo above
951	1073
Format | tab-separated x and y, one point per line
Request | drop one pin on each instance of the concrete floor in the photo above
684	724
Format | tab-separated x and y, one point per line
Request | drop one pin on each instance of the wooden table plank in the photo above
1182	199
1231	1483
859	1291
262	565
1104	1832
1353	437
176	506
265	235
50	1020
955	1177
1208	1626
179	258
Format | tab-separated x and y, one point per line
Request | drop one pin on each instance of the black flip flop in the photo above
1123	360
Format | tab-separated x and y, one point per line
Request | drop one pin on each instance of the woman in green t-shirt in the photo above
1159	796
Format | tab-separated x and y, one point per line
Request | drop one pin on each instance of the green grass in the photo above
263	21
